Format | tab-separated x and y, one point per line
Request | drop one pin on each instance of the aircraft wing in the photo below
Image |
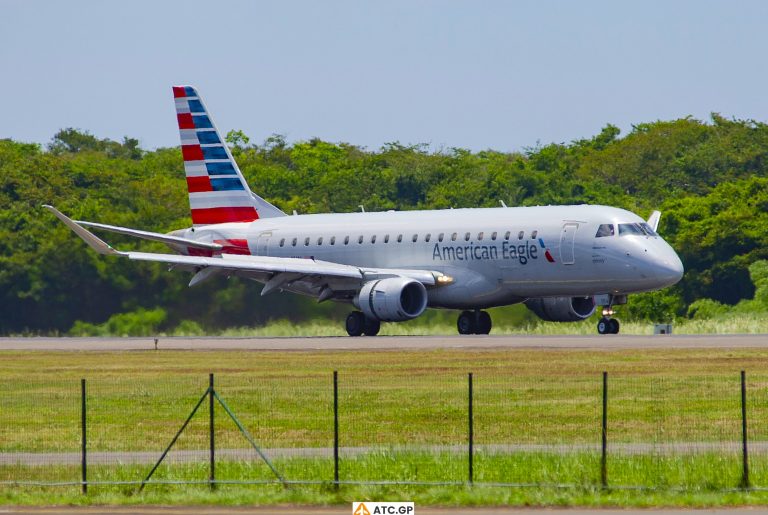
275	271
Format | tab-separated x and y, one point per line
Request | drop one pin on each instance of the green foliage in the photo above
710	179
142	322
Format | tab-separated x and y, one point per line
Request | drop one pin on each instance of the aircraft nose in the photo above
669	268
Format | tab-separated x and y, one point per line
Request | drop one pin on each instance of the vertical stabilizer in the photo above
218	192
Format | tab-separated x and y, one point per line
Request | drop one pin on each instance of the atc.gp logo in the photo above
383	508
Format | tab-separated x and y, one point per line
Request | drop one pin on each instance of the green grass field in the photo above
404	408
444	323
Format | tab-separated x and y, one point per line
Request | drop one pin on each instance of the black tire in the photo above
484	323
603	326
614	326
466	323
371	326
355	323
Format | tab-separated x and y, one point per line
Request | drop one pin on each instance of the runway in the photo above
597	342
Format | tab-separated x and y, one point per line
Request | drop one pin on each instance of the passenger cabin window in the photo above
454	236
282	242
604	230
534	234
415	238
467	236
333	240
521	235
440	237
630	230
373	239
306	242
294	242
386	238
320	240
360	239
480	236
507	235
427	237
399	238
493	235
346	240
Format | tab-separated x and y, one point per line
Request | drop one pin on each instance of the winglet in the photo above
653	220
93	241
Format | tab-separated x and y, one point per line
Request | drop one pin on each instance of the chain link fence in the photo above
403	426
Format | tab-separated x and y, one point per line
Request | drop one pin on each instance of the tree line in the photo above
709	179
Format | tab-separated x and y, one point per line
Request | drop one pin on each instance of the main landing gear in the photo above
358	324
474	322
608	325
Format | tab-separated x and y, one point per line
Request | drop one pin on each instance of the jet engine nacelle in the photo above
392	300
562	309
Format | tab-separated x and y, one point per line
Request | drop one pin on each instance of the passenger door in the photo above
567	240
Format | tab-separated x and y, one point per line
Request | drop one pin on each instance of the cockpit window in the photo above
631	229
604	230
648	230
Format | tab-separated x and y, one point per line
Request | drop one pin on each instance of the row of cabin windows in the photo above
414	238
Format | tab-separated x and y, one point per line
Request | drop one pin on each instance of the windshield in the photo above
648	230
631	229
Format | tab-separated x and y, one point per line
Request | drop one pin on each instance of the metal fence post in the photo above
471	433
336	428
604	456
211	428
744	451
83	439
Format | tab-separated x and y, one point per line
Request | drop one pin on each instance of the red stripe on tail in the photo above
222	215
178	91
198	184
185	121
192	152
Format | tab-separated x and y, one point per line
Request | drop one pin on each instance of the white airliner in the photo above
561	261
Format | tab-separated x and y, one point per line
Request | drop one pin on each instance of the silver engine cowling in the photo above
562	309
392	300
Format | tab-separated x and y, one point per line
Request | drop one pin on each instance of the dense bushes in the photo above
709	179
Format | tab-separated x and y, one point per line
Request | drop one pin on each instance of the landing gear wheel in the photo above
355	323
608	326
483	323
603	326
371	326
466	323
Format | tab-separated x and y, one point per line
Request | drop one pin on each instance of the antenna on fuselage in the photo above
362	208
502	203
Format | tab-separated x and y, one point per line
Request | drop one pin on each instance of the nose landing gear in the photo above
608	325
474	322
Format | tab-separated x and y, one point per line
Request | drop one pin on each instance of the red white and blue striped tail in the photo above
218	192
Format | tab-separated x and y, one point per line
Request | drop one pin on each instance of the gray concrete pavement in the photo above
605	342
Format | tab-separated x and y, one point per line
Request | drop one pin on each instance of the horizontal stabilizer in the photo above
153	236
